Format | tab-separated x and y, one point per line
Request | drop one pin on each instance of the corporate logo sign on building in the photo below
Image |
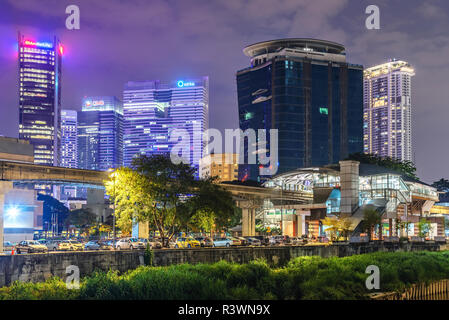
182	83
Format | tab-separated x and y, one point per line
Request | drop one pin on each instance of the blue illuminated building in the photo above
152	109
306	90
40	97
100	133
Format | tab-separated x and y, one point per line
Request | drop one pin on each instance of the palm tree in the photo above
371	218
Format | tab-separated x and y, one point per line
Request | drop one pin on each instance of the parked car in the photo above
52	245
137	243
30	246
222	242
187	243
124	244
243	240
277	240
253	241
264	240
96	245
155	243
236	241
70	245
205	241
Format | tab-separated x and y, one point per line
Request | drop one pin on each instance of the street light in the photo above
113	206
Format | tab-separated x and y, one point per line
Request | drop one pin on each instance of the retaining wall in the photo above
38	267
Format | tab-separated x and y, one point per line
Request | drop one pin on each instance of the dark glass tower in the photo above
100	133
306	90
40	97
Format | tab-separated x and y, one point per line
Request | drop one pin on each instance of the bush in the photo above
302	278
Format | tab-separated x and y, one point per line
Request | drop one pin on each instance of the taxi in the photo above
187	243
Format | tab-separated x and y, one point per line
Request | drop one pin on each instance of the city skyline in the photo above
222	57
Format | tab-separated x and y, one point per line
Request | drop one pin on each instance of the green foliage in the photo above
307	277
371	218
423	227
81	218
167	196
148	256
405	167
441	185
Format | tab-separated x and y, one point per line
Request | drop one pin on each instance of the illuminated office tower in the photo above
310	93
152	109
100	133
387	110
69	143
40	97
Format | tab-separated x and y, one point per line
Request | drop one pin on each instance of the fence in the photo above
438	290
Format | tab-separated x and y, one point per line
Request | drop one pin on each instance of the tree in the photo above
371	218
339	226
54	211
441	185
423	227
405	167
82	219
167	196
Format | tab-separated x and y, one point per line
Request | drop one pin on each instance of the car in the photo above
222	242
30	246
236	241
70	245
277	240
124	243
243	240
155	243
137	243
205	241
187	242
253	241
96	245
52	245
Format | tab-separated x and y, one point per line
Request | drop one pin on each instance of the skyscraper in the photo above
69	143
40	97
387	128
152	109
100	133
307	90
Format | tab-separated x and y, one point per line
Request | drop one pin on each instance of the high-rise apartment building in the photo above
69	142
100	133
153	109
224	166
306	90
40	97
387	129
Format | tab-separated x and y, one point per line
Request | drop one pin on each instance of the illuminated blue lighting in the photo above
181	84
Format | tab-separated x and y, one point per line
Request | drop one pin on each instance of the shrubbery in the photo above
303	278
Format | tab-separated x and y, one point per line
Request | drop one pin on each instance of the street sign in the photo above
268	229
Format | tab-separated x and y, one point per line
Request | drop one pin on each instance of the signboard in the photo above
182	84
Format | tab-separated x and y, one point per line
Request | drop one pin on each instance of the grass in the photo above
309	277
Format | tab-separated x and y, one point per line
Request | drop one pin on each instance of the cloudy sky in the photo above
171	39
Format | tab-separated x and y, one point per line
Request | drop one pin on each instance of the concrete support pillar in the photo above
300	225
252	222
246	222
5	186
349	182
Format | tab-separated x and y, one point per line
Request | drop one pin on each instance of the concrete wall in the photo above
38	267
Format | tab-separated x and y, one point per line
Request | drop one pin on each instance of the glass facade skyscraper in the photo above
152	109
387	110
40	97
100	133
69	143
306	90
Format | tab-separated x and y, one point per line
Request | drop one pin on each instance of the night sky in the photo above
173	39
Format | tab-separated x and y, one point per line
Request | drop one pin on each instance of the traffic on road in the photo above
131	243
